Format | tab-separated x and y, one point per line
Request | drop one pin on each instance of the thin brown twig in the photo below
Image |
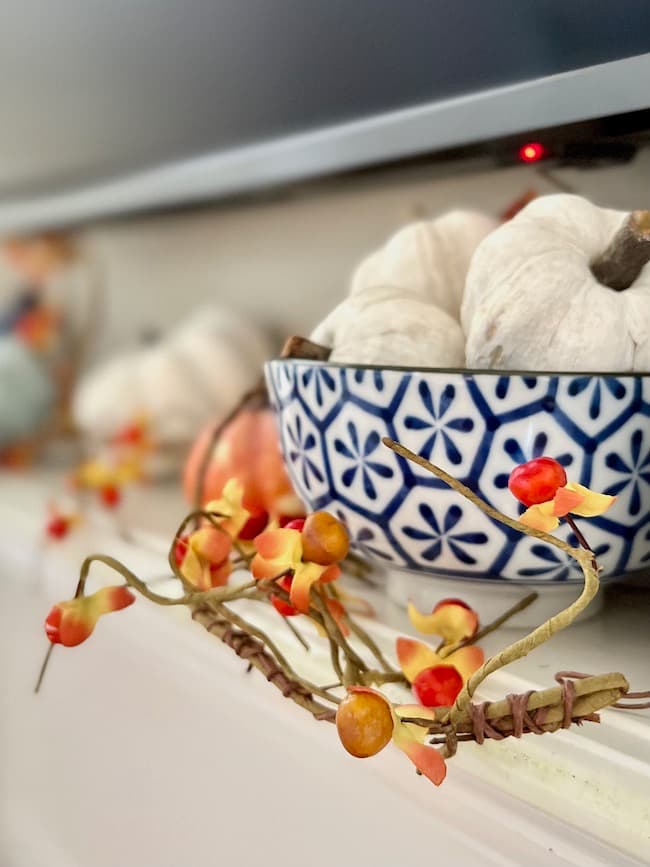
300	638
360	633
335	659
369	642
244	555
368	676
332	628
380	677
446	650
130	578
577	532
44	666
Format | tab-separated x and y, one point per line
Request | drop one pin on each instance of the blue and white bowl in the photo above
477	426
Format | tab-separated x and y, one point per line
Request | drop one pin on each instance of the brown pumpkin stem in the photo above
518	204
301	347
629	250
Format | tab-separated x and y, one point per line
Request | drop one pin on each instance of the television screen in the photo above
109	107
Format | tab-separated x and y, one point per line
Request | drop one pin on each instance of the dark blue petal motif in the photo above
554	565
363	461
439	419
634	468
323	381
300	444
440	534
519	456
595	383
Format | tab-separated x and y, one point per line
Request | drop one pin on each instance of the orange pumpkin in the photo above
248	450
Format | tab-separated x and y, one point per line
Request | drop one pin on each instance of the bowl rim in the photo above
465	371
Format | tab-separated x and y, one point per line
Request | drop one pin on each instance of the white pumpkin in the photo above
404	301
428	259
198	372
531	301
386	330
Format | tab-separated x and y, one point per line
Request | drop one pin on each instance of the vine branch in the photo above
521	648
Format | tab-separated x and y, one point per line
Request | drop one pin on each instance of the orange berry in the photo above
449	600
438	686
130	435
58	527
255	525
110	496
292	523
364	723
180	549
282	607
537	481
324	539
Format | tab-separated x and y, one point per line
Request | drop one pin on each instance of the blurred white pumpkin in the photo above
404	301
532	302
195	374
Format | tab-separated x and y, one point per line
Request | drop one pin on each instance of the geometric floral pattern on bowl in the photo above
477	426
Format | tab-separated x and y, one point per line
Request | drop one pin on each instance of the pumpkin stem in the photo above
301	347
628	252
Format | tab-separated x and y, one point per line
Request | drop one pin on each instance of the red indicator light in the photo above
531	152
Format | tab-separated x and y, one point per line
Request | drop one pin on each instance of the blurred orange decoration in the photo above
38	257
71	622
248	450
39	328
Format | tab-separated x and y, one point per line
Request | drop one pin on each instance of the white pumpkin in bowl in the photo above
532	301
382	328
404	301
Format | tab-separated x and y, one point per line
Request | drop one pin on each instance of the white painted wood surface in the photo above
150	745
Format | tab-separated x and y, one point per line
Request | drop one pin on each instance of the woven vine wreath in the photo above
295	568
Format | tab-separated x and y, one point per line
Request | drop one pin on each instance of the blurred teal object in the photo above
26	391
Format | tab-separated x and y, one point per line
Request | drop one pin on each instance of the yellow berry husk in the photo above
324	539
364	723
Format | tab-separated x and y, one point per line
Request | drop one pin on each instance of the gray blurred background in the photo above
92	91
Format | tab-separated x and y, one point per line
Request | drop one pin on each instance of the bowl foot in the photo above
489	598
